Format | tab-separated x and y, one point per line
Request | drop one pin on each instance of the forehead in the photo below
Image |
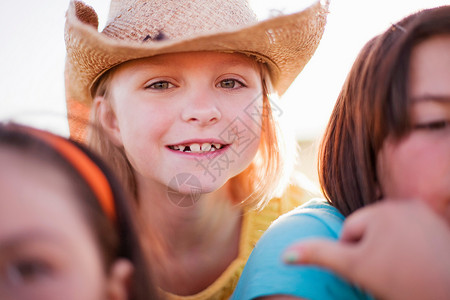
430	67
194	59
34	194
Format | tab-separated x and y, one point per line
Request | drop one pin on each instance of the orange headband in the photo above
90	172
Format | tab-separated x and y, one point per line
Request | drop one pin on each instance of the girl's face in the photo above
46	249
189	118
418	166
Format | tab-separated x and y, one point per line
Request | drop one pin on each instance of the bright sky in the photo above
32	57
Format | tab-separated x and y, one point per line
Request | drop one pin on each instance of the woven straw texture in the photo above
138	28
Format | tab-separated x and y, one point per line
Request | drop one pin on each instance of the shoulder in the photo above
316	218
265	274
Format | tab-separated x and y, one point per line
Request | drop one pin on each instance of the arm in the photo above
396	250
265	275
279	297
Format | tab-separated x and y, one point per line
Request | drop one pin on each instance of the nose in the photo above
201	109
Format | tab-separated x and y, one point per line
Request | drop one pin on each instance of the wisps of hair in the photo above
373	103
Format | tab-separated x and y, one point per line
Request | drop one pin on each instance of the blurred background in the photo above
32	55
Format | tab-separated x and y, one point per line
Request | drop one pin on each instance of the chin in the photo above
209	186
186	189
195	183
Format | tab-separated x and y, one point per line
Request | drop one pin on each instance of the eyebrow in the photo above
24	238
433	98
162	61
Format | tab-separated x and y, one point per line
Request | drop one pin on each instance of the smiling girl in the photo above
178	93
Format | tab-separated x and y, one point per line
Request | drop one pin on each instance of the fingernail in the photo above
291	256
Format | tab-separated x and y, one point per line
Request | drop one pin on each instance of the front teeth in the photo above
197	148
206	146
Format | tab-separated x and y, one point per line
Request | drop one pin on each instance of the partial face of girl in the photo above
46	249
418	166
196	114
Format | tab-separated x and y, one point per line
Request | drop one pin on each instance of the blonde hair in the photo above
262	180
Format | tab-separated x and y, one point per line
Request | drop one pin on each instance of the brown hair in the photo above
253	187
372	105
115	238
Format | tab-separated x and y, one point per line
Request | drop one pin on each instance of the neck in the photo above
191	226
200	240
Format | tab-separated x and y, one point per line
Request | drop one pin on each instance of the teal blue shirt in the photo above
265	273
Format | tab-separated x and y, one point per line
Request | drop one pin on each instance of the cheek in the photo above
142	131
398	169
249	141
85	279
415	169
255	110
245	126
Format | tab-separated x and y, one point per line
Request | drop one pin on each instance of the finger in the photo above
354	227
356	224
333	255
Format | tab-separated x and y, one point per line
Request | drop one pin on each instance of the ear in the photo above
107	119
119	280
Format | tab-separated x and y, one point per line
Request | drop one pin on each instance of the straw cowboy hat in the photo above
143	28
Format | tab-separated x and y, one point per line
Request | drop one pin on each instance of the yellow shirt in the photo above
253	226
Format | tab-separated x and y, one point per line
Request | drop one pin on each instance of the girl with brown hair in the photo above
388	142
388	139
66	229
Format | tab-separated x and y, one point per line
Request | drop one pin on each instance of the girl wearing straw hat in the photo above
178	98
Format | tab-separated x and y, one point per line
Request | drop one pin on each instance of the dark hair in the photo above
372	105
116	238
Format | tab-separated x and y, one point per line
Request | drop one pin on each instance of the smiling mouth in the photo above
197	147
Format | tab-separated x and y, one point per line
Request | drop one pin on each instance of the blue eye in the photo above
435	125
26	271
160	85
230	84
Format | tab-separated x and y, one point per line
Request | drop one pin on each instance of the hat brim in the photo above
286	43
